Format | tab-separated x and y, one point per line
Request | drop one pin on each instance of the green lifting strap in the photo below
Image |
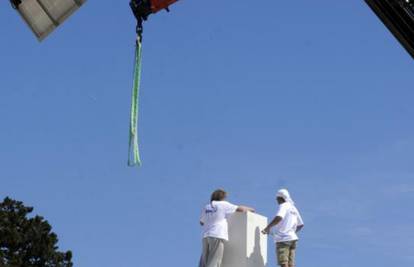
133	152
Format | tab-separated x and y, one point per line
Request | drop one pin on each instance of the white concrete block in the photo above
247	246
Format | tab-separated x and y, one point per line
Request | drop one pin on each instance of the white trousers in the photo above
212	255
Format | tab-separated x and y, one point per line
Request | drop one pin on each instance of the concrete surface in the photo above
247	246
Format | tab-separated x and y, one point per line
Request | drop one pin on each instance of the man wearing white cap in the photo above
286	223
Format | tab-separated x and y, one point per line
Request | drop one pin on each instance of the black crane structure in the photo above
398	17
141	10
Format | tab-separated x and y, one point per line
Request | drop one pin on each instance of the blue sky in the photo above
315	97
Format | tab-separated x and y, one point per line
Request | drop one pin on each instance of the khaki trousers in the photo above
285	252
212	254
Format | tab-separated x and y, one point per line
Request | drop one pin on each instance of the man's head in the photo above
218	195
280	200
283	196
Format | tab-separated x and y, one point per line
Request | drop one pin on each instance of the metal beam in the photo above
398	16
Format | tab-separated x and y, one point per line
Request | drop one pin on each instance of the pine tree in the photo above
28	242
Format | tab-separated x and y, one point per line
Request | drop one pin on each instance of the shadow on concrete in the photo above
256	259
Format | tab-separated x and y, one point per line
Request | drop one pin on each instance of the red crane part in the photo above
157	5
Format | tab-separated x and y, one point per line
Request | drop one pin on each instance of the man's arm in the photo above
202	217
299	227
244	209
274	222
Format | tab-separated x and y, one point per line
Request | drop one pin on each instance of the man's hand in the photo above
274	222
244	209
266	231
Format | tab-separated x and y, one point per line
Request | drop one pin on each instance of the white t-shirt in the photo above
285	230
214	217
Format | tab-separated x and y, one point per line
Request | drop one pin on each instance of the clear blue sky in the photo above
249	96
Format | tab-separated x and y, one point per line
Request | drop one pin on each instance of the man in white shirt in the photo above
286	223
215	228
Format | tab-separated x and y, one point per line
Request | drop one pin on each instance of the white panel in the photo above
36	17
256	241
43	16
235	248
59	9
247	246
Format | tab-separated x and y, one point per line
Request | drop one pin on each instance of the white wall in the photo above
247	246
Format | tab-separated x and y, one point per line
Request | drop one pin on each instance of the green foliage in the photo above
28	242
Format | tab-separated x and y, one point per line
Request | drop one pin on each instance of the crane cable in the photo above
134	158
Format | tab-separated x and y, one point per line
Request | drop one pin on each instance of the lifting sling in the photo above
141	9
133	152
